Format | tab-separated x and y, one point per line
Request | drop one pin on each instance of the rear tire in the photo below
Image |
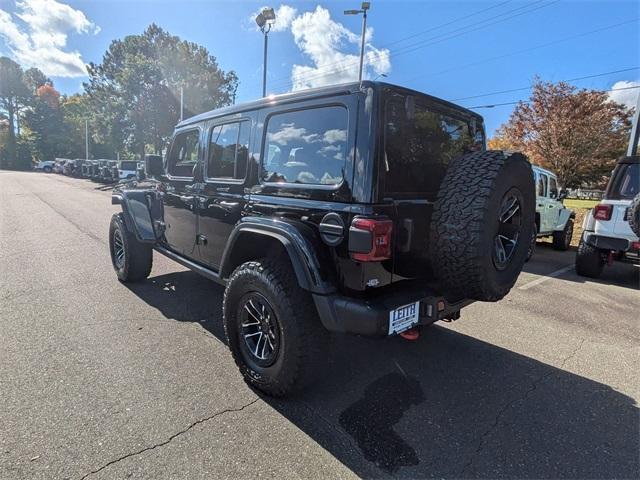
482	224
264	296
589	261
132	260
562	239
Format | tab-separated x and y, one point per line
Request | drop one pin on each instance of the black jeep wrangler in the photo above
361	208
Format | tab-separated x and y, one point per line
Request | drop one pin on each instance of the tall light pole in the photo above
265	19
363	10
86	139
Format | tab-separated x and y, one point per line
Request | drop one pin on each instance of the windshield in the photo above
420	141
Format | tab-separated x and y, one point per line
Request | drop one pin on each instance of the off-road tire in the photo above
562	238
533	244
138	256
303	340
634	215
589	261
464	224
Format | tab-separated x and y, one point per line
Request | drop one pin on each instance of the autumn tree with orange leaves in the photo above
577	134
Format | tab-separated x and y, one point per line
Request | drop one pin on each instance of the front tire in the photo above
131	259
589	261
272	328
562	239
46	169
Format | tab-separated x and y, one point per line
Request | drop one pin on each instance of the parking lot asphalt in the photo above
102	380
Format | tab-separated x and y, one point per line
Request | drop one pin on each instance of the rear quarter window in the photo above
419	143
306	146
625	183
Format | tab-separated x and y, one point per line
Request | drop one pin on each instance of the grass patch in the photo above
576	203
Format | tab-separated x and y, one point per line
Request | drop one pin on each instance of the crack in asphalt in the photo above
171	438
503	410
72	222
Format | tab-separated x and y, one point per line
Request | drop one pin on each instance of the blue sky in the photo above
448	49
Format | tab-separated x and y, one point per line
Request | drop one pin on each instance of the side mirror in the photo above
153	165
564	193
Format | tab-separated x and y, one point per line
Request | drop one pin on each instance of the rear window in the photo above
419	144
625	183
306	146
128	165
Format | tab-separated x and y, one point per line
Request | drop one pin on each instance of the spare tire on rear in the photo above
634	215
481	224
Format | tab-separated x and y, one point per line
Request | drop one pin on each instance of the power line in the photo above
319	72
417	34
527	101
518	52
529	87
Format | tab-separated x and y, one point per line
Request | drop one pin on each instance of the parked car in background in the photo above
364	208
109	171
127	169
45	166
607	235
553	219
58	166
69	167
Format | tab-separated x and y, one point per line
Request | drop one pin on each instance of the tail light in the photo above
602	212
370	239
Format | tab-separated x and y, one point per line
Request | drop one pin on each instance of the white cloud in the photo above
627	97
284	16
37	36
322	40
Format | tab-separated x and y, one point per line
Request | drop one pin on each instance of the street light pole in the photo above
265	20
86	139
264	67
363	10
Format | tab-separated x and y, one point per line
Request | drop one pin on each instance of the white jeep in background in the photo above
607	235
553	219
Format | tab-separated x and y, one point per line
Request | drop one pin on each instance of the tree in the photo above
35	79
14	94
578	134
135	91
44	126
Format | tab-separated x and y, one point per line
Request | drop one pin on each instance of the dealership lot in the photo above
103	380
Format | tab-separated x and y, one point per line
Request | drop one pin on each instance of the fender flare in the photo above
139	213
563	218
300	250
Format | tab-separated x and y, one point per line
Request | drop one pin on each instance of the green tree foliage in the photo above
44	127
578	134
135	91
14	95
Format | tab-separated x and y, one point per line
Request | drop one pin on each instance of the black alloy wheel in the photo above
509	226
260	330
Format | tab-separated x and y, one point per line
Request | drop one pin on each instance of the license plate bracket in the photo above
404	317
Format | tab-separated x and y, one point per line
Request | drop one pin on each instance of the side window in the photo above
229	151
553	187
306	147
183	155
541	185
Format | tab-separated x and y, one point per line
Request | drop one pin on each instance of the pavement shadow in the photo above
546	261
445	406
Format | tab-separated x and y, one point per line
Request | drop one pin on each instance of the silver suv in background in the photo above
552	219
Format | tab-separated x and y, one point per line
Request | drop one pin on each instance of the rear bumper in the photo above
370	317
606	243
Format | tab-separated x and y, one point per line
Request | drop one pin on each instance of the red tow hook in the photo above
411	334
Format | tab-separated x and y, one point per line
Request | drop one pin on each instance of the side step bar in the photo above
191	265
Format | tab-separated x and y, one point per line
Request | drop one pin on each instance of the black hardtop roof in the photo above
312	93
